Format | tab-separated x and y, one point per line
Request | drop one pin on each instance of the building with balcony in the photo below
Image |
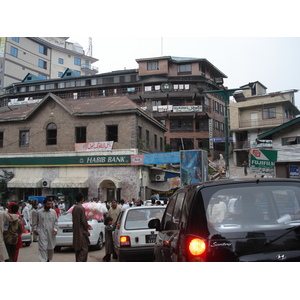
168	88
254	112
43	57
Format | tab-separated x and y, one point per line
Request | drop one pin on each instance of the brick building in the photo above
48	147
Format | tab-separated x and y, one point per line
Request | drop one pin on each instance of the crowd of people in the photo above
43	219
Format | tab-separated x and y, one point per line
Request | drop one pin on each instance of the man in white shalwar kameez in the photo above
45	226
5	217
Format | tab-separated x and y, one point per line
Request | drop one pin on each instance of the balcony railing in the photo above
263	122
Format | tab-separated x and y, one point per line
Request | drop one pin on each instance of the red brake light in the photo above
90	227
196	249
26	231
125	240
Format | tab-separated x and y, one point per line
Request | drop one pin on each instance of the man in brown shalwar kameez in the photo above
80	230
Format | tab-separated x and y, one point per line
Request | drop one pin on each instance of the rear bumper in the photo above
135	252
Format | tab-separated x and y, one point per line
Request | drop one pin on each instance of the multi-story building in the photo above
43	57
255	112
170	88
58	146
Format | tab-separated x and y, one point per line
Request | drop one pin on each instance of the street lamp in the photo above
225	94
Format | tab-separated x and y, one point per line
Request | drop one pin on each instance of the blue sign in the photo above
294	171
161	158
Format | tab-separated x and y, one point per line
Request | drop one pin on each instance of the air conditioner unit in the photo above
159	178
46	183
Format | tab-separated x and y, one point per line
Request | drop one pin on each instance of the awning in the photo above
26	178
71	177
25	183
70	182
160	186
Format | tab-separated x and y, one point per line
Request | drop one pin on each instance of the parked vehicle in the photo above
231	220
26	234
133	240
64	237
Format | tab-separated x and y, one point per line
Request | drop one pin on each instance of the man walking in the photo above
80	230
45	226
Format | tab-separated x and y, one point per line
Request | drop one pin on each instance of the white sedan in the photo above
64	237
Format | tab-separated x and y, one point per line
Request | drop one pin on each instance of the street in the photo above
30	254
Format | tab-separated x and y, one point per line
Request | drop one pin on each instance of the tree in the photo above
4	191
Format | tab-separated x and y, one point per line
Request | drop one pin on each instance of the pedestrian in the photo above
57	210
5	217
245	165
12	234
45	226
80	230
33	218
114	211
109	243
25	212
20	243
139	202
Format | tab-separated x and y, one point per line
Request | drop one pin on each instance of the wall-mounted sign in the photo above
166	87
94	146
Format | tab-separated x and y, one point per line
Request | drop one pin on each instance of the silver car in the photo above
64	237
27	234
133	240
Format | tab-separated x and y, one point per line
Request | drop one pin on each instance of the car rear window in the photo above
253	207
139	218
66	217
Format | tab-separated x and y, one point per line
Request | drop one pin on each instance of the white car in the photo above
26	234
64	237
133	240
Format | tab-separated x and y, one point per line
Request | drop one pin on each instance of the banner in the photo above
94	146
161	158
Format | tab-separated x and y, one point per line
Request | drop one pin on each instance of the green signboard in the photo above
263	161
107	160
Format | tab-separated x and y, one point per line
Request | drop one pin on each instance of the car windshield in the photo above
237	208
139	218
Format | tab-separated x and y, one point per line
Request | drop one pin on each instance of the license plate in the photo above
67	230
151	238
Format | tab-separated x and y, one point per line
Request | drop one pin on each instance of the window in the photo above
24	138
181	125
51	135
15	39
43	49
60	74
42	64
112	133
14	51
161	144
42	76
148	136
140	132
77	61
186	68
1	139
80	134
61	61
269	113
155	141
290	141
152	65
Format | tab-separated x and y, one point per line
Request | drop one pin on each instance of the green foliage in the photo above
4	190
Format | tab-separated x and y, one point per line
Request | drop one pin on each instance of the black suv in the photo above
231	220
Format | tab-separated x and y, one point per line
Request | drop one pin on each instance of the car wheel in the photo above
57	248
99	244
121	258
27	244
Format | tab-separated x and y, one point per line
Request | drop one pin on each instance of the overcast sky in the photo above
273	61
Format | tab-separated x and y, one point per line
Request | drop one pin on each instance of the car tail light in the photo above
26	231
90	227
196	249
125	241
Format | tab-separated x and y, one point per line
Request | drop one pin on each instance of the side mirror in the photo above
155	224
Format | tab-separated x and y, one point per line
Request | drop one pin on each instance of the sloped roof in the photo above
82	107
278	128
